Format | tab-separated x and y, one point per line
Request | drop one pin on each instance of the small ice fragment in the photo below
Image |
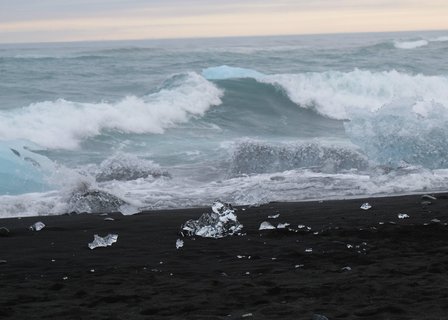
299	266
402	216
103	241
428	197
247	272
179	243
266	226
282	225
273	259
349	246
301	226
109	219
52	260
243	209
435	220
92	270
3	261
346	269
65	278
247	315
37	226
318	317
309	250
380	222
240	257
275	216
366	206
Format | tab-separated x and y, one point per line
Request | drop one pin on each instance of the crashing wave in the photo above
259	157
339	95
126	167
393	135
63	124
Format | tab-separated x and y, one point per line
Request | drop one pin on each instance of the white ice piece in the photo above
103	241
37	226
282	225
309	250
179	243
266	226
366	206
402	216
275	216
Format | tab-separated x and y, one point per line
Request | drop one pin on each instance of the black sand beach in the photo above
363	265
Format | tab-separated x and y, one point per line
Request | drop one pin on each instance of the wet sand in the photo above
363	265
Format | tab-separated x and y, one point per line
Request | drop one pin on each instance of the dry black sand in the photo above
399	269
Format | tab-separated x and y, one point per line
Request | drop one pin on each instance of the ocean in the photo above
142	125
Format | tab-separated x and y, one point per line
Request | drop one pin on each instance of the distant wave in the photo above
411	44
414	44
64	124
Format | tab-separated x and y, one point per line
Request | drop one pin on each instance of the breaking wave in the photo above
251	157
65	124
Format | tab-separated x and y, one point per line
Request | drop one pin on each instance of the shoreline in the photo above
363	265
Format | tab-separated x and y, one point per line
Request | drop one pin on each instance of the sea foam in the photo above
63	124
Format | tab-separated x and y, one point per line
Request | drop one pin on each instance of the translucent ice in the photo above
221	222
37	226
103	241
366	206
266	226
179	243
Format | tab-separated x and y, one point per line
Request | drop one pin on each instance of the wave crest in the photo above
64	124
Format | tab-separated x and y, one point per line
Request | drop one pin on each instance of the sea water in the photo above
136	125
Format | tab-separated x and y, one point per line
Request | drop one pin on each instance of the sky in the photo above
86	20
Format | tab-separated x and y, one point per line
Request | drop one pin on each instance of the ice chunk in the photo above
37	226
319	317
221	222
435	220
103	241
275	216
266	226
366	206
282	225
346	269
179	243
247	315
402	216
309	250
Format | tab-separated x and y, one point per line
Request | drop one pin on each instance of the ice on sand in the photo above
179	243
103	241
37	226
221	222
266	226
366	206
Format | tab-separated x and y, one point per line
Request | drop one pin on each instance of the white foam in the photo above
410	44
338	95
64	124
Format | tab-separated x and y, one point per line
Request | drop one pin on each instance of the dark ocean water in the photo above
180	123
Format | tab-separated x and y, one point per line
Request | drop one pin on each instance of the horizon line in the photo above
222	37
